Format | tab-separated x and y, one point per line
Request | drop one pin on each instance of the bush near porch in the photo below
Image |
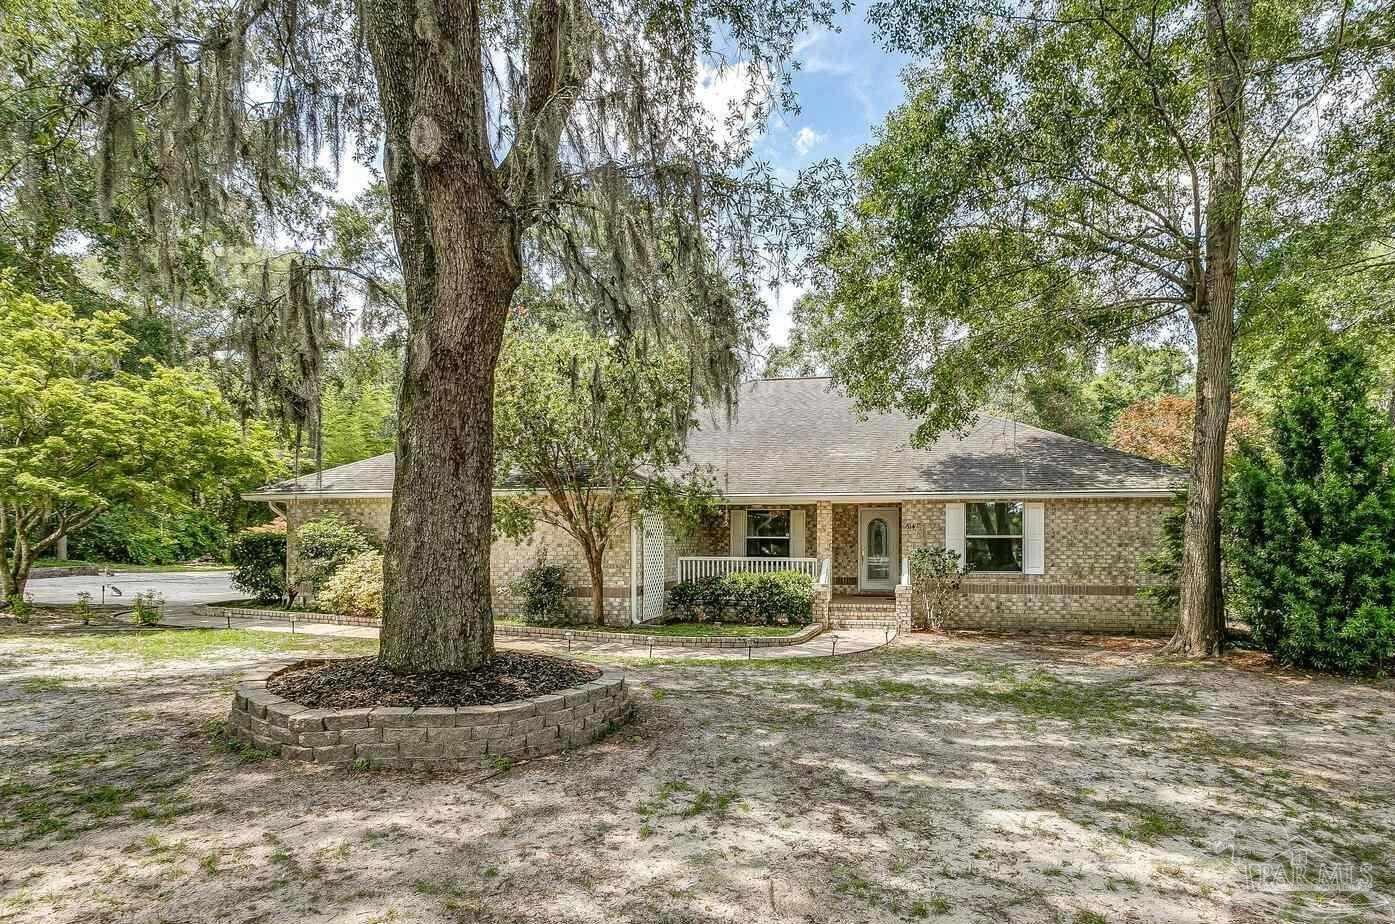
774	598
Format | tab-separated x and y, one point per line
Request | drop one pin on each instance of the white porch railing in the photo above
693	568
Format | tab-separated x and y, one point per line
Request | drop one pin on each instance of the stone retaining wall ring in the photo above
426	737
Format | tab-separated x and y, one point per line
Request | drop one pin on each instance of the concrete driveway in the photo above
179	587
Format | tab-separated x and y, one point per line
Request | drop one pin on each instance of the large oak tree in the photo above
565	137
1069	173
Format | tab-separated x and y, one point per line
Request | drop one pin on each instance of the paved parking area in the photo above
178	587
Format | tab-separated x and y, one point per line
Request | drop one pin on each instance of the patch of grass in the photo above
1146	823
702	629
197	644
1043	695
708	801
1089	917
135	569
936	905
222	740
42	684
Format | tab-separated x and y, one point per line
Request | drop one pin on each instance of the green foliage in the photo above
150	537
259	562
1312	522
766	598
1074	151
147	608
324	545
591	432
355	588
1163	566
936	573
544	590
360	403
80	435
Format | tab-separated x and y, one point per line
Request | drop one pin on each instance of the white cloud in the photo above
806	139
781	302
723	91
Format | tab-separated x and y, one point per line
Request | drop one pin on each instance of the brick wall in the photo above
1093	551
1093	548
507	560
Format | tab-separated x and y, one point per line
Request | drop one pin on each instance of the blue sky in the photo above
846	86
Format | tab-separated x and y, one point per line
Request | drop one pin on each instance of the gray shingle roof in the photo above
793	437
803	436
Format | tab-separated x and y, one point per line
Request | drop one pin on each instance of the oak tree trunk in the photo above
1201	629
458	241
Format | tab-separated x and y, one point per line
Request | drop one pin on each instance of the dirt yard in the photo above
941	779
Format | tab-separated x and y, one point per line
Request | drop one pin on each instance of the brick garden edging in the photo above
425	737
660	641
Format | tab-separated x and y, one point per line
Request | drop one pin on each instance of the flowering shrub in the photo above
323	546
355	589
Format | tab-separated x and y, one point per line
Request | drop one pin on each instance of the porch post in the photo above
823	543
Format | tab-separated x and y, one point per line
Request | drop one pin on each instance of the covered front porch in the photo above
853	552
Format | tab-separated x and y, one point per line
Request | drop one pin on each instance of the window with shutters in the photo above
993	536
767	534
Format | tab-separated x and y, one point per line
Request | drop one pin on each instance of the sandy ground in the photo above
944	779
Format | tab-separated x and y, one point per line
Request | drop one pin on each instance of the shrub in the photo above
356	589
259	562
1164	564
936	573
147	608
751	598
323	546
1312	523
544	590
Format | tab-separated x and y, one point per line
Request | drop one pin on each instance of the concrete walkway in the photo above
846	641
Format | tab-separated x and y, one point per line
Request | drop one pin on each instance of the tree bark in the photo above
458	241
1201	627
594	563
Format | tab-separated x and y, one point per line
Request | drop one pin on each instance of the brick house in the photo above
1053	528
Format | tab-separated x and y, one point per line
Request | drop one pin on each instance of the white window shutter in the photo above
738	532
1034	538
954	529
796	534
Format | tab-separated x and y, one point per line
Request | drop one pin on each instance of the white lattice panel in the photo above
653	603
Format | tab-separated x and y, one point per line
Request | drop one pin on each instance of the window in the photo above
767	534
993	536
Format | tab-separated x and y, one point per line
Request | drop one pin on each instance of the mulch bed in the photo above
354	683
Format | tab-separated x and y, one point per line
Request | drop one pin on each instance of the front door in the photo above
878	545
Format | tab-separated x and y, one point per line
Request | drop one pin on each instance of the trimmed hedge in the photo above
771	598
